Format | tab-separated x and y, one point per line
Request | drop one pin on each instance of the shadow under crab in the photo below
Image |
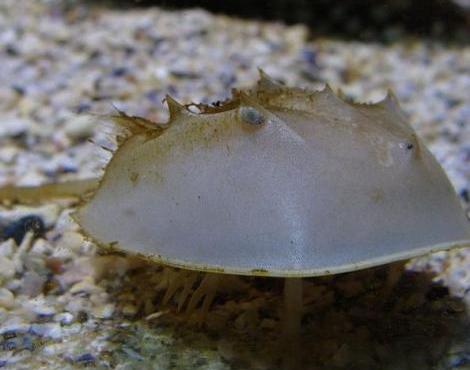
355	320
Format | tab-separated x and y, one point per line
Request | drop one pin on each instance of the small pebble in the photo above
87	285
105	311
85	359
7	299
40	247
79	128
7	248
7	268
14	127
72	240
32	283
10	344
27	343
14	284
18	229
3	314
39	307
49	330
64	318
129	310
50	350
14	325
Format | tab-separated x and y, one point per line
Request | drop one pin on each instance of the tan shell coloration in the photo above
277	182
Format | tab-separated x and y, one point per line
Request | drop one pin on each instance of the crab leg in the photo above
292	318
206	292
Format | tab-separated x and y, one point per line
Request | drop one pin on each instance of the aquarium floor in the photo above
66	305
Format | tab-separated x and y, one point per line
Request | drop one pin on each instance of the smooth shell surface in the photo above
278	181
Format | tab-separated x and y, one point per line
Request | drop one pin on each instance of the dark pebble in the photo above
129	50
83	107
119	72
11	51
28	343
17	343
18	229
153	95
437	292
20	90
310	56
86	358
10	344
68	168
200	362
185	74
82	317
465	195
95	54
9	334
460	361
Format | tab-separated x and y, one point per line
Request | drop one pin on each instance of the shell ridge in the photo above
175	108
134	124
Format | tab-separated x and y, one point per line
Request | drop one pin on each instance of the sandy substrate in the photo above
65	306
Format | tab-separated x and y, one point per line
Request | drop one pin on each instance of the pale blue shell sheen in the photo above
279	182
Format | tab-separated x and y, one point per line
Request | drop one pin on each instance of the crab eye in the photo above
406	145
251	116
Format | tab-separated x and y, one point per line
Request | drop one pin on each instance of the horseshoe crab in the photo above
277	181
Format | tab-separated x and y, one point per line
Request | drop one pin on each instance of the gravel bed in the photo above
66	305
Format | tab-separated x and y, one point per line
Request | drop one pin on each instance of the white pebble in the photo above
39	307
105	311
13	126
48	213
49	330
75	305
7	299
73	329
32	284
8	248
7	268
41	247
14	325
14	284
50	350
79	127
8	154
71	240
64	318
62	252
